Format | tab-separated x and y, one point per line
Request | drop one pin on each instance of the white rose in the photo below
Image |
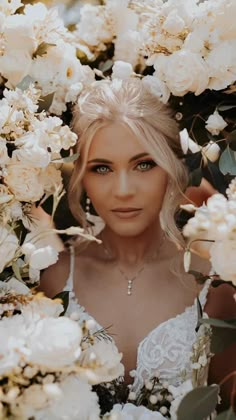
19	33
223	259
121	70
43	307
130	54
43	257
18	286
102	362
76	402
183	71
23	182
55	342
51	179
30	153
8	247
173	24
13	333
15	65
130	411
157	87
221	62
215	123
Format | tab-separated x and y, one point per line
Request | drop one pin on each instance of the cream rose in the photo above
51	179
55	342
23	182
157	87
102	362
222	256
183	71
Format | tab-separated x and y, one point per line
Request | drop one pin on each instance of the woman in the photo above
130	170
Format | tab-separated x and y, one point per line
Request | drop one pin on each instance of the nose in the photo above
124	185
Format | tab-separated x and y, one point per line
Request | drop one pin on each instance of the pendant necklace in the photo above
130	280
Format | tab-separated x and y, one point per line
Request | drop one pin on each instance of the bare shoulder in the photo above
54	278
221	302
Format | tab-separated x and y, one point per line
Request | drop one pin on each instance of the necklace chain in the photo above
130	280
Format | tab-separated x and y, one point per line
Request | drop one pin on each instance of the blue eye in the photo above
101	169
146	165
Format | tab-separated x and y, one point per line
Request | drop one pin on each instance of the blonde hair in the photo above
130	102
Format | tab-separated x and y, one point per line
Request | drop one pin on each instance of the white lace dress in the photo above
165	352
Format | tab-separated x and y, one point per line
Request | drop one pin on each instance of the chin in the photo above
128	229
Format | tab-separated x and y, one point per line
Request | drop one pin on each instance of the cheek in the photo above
155	188
95	188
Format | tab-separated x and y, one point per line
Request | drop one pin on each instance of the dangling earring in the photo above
87	209
170	185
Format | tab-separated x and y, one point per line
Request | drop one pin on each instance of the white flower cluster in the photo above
216	222
191	44
29	143
36	44
46	371
130	411
99	26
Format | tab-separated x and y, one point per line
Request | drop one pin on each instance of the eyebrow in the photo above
101	160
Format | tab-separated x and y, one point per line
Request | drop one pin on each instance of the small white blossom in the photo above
215	123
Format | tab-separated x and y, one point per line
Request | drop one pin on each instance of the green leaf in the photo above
196	177
223	333
227	415
16	270
198	403
45	102
106	66
199	314
231	324
225	107
216	177
64	296
67	159
199	277
42	49
231	139
25	83
227	162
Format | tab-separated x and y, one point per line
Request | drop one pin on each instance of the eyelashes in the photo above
143	166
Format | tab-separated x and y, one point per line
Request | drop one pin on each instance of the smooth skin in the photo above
127	189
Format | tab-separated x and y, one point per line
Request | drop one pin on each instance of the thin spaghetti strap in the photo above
204	292
70	283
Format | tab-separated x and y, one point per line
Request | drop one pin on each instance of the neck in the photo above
134	250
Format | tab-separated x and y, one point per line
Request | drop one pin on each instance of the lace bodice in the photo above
165	352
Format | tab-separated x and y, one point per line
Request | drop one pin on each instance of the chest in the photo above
131	318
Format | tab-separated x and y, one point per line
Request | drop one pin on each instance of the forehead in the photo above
114	142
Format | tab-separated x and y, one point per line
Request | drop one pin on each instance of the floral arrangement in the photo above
48	363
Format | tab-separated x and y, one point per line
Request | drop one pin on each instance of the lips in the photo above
126	212
125	209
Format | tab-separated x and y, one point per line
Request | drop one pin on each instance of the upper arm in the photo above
221	304
54	278
199	195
